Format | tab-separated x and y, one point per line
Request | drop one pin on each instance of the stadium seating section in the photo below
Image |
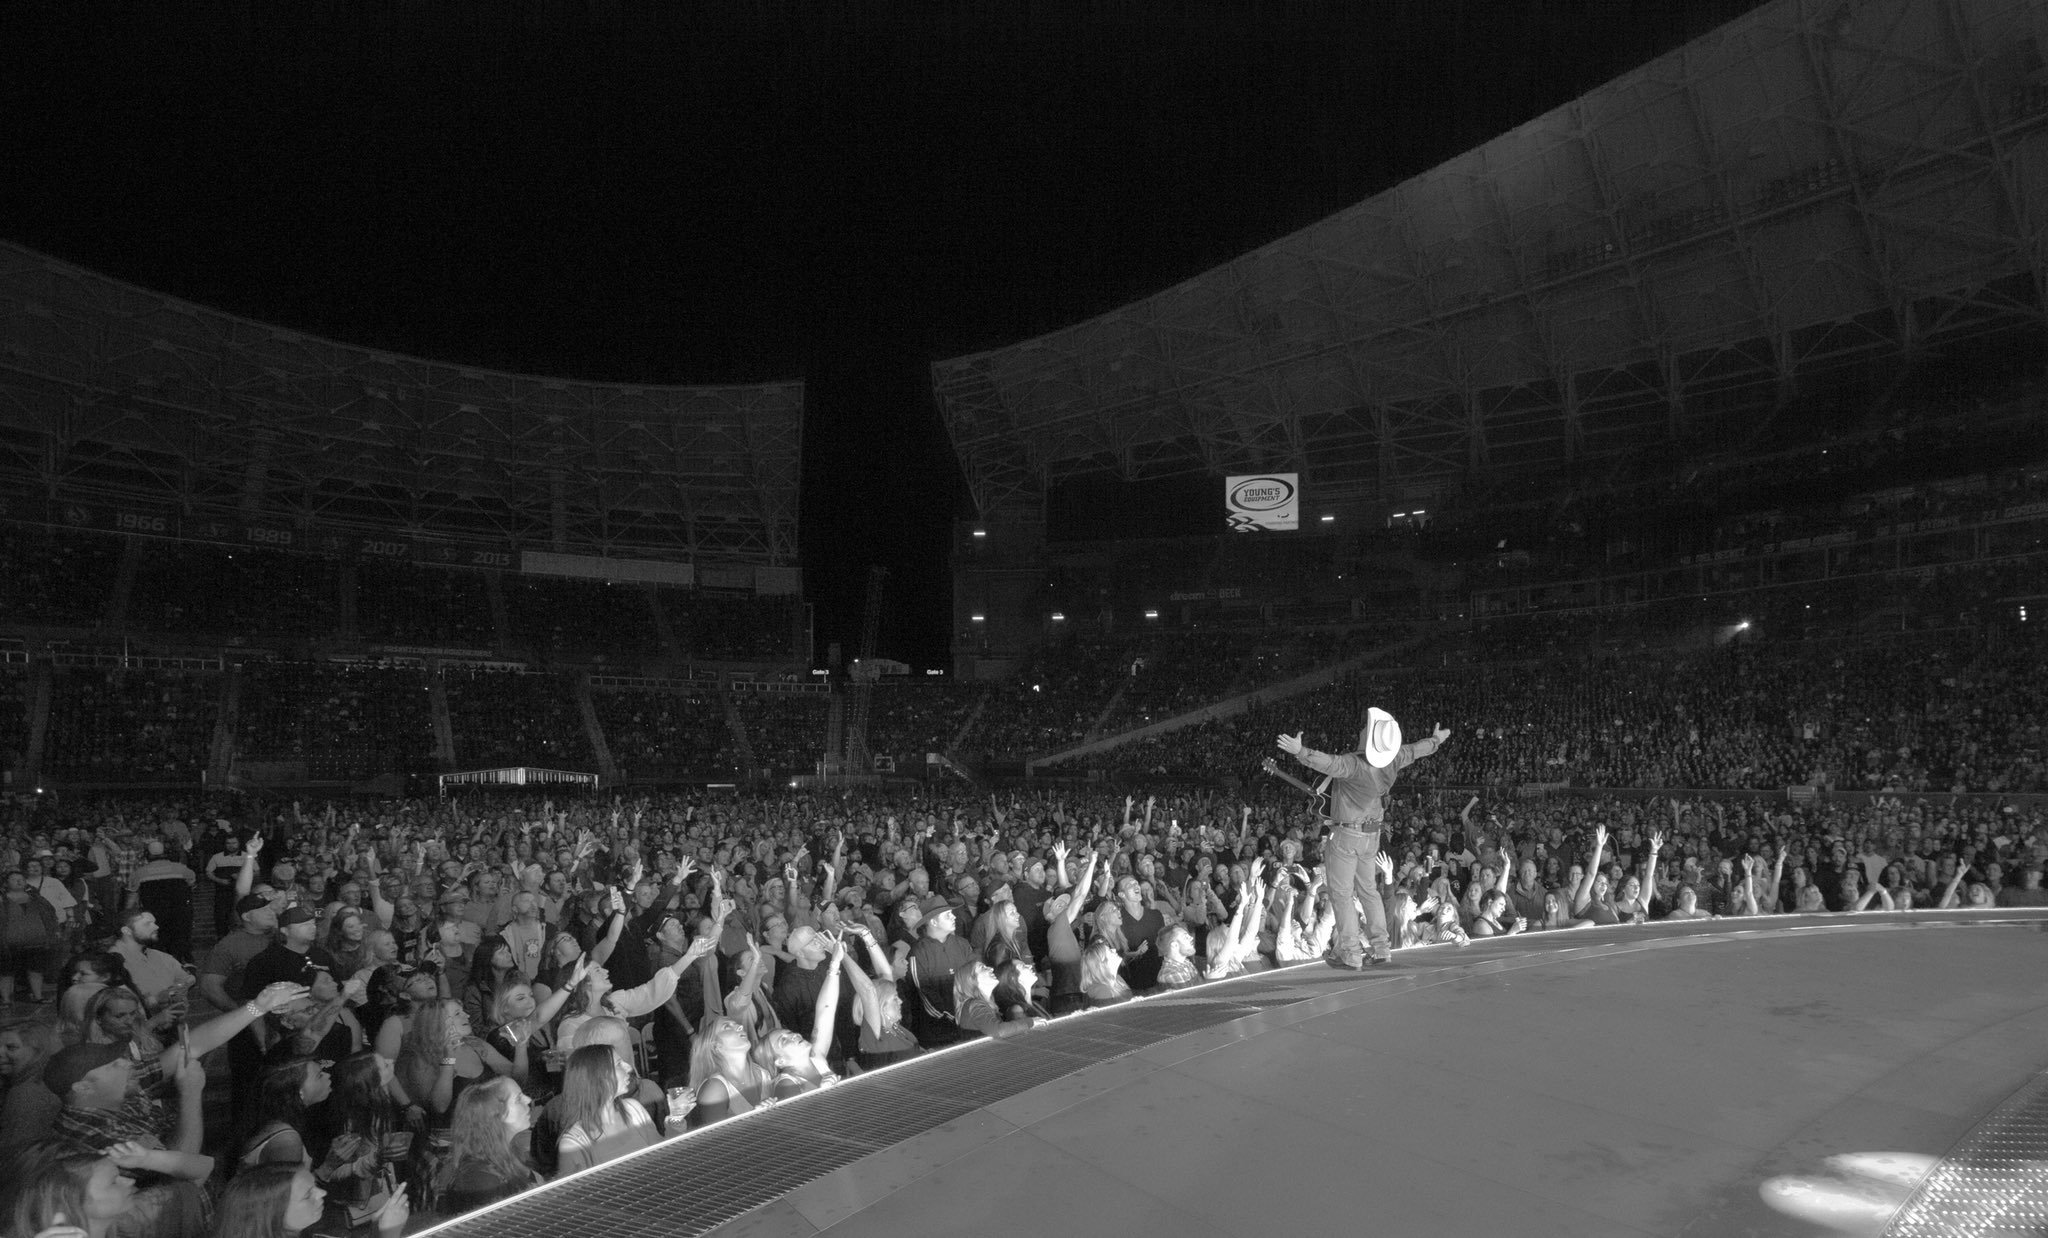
54	576
909	719
188	591
1903	673
668	734
208	591
587	617
403	604
346	722
512	718
787	733
130	725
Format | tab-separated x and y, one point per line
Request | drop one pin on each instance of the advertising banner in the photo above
593	567
738	578
1263	501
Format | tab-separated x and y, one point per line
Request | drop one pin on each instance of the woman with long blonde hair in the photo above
440	1057
482	1164
84	1190
1101	982
600	1120
723	1072
974	998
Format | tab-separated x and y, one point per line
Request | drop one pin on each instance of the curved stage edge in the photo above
1792	1076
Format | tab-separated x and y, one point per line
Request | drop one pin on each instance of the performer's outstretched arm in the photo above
1337	765
1424	746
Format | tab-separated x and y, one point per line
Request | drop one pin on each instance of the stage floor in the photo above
1654	1080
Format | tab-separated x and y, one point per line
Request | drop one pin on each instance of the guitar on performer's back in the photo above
1320	798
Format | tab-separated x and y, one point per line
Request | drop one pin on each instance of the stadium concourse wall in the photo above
1229	707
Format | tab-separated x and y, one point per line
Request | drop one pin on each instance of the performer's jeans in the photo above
1348	870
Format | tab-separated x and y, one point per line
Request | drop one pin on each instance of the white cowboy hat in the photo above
1380	741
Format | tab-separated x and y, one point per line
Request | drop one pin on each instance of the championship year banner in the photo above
1262	501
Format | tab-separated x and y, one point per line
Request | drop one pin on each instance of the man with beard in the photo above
157	976
165	887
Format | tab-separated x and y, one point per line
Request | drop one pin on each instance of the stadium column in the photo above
347	584
124	583
39	677
501	618
595	730
221	755
444	729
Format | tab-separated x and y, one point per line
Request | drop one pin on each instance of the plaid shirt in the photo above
124	861
140	1116
100	1129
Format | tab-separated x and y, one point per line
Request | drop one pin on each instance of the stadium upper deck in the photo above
1813	188
119	405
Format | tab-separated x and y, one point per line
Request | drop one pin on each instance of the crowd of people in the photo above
215	592
344	720
733	628
405	604
56	577
582	617
910	718
510	717
180	591
408	1009
656	734
1903	713
142	724
786	733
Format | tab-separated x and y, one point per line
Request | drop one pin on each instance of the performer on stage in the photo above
1356	782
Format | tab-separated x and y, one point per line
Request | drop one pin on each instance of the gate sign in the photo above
1263	501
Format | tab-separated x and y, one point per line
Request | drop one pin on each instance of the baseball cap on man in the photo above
67	1066
250	902
1380	741
298	913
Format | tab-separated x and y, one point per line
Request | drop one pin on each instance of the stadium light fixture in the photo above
978	618
981	532
1151	614
1059	617
1743	626
1399	515
1419	512
1327	519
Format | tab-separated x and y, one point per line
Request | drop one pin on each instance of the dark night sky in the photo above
748	189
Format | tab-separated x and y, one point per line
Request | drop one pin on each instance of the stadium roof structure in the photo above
115	394
1815	185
